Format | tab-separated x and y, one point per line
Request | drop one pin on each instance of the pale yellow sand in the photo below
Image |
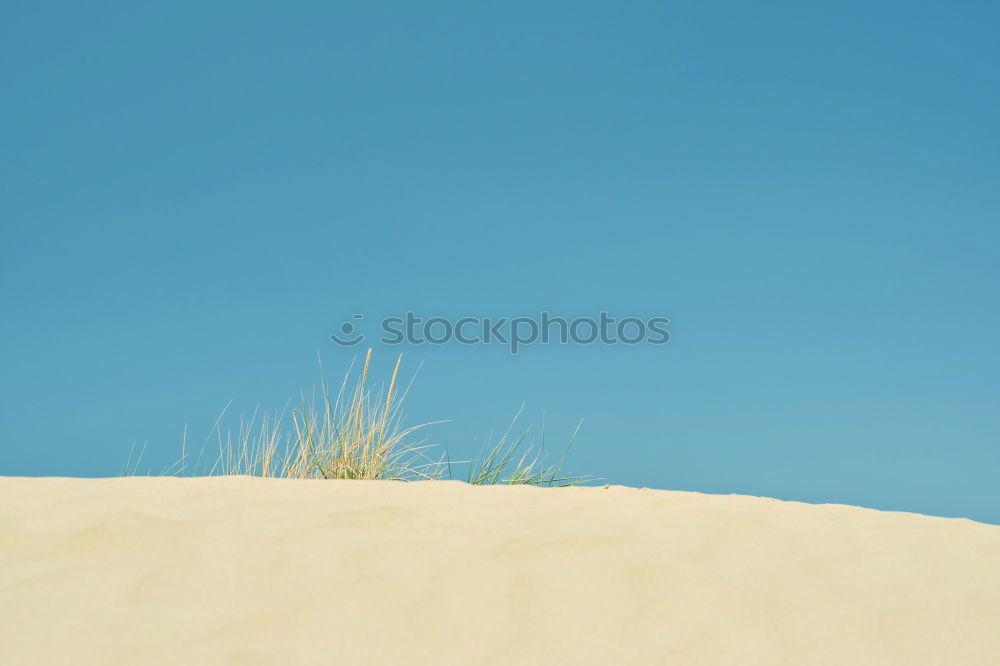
249	571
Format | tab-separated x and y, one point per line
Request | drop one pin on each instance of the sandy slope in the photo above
250	571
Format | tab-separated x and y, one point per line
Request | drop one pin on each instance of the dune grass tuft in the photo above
514	460
358	433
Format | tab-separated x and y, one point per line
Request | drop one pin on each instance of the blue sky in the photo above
194	197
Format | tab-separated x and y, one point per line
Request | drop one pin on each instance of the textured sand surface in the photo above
250	571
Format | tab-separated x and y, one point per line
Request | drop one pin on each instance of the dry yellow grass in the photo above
356	434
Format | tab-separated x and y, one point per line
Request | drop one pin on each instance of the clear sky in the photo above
194	196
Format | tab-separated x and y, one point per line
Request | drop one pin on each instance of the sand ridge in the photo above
237	570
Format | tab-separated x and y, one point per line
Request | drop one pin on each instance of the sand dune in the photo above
250	571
